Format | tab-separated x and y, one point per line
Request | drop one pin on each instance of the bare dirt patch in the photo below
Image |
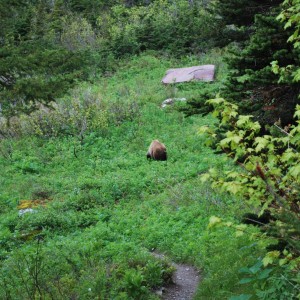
185	282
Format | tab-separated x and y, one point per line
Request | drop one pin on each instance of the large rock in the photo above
203	73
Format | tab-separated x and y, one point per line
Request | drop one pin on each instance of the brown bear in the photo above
157	151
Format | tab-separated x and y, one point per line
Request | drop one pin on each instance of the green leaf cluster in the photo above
268	177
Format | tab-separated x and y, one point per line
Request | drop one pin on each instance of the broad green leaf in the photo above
254	269
297	113
205	177
288	24
232	141
261	143
270	257
295	171
288	155
214	221
239	233
246	280
233	187
275	67
283	261
204	129
243	120
264	274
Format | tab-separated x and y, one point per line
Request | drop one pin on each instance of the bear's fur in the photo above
157	151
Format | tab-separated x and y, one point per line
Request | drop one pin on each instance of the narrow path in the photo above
185	282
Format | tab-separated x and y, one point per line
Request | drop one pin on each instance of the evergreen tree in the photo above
251	82
237	17
35	66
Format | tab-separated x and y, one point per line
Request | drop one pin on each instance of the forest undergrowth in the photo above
97	208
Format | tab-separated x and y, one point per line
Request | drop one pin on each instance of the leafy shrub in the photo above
88	240
84	113
178	27
59	270
225	250
269	178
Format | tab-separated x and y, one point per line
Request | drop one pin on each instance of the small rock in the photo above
25	211
170	101
160	291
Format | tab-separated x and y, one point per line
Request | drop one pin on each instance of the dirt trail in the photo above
185	282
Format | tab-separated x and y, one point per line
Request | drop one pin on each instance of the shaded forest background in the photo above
48	46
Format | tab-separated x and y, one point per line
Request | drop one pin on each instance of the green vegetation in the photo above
257	39
46	47
269	181
82	209
109	207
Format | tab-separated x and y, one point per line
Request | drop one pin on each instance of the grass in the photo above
109	207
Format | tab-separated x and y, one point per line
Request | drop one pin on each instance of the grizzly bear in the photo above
157	151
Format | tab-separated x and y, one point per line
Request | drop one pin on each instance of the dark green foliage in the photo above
40	58
197	104
242	12
237	17
34	73
178	27
251	82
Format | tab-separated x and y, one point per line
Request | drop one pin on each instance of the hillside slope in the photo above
106	207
